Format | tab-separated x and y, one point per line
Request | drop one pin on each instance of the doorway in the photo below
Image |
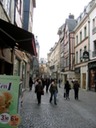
84	80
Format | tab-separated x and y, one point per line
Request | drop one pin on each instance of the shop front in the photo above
13	38
92	75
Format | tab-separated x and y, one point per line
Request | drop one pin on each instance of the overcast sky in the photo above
49	15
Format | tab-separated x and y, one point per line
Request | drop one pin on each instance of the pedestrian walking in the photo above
67	89
76	89
43	82
47	84
59	82
30	83
39	91
53	91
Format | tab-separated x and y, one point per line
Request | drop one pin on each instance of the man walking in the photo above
53	91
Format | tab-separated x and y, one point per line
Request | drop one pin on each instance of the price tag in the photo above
4	118
14	120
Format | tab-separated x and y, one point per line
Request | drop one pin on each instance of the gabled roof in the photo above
71	24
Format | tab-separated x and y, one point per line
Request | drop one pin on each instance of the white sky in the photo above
49	15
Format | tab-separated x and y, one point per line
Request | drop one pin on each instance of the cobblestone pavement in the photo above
66	114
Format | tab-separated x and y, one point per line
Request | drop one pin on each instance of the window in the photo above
76	57
85	32
80	36
95	46
80	55
76	39
94	23
85	48
94	49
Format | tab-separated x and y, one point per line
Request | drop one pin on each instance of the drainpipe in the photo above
69	54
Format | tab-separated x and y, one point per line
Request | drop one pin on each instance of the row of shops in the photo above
17	47
86	75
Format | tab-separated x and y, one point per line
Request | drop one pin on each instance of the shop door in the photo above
84	80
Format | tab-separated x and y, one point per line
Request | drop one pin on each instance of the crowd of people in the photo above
50	85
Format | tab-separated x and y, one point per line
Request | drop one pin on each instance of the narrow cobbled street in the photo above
66	114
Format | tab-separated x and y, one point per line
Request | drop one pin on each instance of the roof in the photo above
71	24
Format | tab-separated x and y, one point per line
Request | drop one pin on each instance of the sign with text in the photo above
9	94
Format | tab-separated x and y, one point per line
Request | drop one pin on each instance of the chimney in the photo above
71	16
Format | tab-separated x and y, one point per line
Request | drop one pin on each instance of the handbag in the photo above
42	92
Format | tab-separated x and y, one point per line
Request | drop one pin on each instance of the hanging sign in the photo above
85	55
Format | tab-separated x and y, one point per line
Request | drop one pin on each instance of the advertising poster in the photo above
9	94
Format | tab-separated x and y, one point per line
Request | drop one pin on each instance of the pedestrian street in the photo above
66	114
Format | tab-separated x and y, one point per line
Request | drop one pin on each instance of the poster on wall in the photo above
9	95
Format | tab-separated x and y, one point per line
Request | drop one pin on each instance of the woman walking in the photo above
53	91
39	91
67	89
30	83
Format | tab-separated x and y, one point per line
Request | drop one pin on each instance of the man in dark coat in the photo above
76	89
39	90
67	88
30	83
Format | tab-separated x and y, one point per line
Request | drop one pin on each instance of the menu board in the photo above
9	96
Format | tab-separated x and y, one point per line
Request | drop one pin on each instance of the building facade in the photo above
69	54
17	45
81	45
54	61
92	47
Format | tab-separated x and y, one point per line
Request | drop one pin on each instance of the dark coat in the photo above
38	88
53	88
67	86
76	85
30	82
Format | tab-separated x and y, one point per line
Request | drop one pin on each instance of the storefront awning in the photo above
15	37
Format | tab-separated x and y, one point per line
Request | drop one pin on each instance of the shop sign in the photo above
85	55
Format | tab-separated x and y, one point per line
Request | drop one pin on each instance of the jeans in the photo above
53	94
